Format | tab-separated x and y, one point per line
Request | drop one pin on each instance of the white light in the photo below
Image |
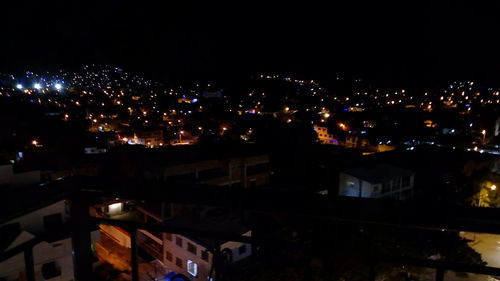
19	86
58	86
37	86
192	268
115	208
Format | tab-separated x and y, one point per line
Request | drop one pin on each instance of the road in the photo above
488	245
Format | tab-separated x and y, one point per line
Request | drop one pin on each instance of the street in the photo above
488	245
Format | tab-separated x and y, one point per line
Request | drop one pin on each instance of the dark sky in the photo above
423	41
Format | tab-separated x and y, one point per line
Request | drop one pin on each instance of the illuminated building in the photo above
377	181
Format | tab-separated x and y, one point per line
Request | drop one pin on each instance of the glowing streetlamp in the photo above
484	135
37	86
58	86
19	86
180	136
493	187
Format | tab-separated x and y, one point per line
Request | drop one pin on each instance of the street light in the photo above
180	136
484	135
493	187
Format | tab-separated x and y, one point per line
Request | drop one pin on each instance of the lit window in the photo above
192	268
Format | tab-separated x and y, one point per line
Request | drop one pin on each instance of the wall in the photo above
119	235
234	246
184	255
33	222
5	174
353	191
26	178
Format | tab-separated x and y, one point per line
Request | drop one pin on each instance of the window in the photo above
192	268
178	241
50	270
211	174
386	187
256	169
396	184
204	255
350	184
191	248
178	262
54	221
406	181
242	249
168	236
169	256
253	183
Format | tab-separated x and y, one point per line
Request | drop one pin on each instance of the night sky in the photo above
426	41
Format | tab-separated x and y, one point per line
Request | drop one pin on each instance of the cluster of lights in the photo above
38	86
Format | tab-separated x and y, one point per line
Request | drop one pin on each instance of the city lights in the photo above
58	86
19	86
37	86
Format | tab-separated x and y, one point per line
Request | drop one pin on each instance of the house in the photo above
191	256
246	172
323	135
44	231
9	178
377	181
148	137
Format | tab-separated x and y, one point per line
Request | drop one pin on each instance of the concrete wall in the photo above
8	177
119	235
60	252
184	255
6	172
234	247
33	222
26	178
350	186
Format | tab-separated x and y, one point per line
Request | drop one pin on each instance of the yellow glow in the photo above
493	187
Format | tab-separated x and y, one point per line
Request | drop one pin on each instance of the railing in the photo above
358	211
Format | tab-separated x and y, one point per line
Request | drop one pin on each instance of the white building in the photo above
190	256
377	181
52	255
9	178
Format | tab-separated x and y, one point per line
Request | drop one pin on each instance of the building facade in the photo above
379	181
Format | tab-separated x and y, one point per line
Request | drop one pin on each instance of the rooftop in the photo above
378	173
